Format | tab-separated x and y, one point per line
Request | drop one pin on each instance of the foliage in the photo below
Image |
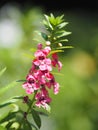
15	117
76	106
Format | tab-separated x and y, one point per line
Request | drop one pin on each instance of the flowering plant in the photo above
40	78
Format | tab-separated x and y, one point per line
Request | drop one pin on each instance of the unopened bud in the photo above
60	44
54	38
48	43
39	46
25	99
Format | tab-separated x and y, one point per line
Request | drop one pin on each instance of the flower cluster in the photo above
40	79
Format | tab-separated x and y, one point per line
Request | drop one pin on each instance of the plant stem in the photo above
33	99
28	110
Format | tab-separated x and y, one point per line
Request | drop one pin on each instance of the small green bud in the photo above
60	44
54	38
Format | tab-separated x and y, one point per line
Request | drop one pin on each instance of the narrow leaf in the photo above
36	118
55	51
59	74
27	125
65	47
62	25
64	34
17	97
9	124
48	23
34	126
8	117
6	88
22	80
8	103
2	71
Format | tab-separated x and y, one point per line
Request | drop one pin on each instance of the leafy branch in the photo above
39	79
56	33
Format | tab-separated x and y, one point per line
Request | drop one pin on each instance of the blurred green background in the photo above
76	105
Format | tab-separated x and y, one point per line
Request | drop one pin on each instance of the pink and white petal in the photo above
49	68
56	88
36	62
29	90
47	50
59	65
43	67
26	85
48	61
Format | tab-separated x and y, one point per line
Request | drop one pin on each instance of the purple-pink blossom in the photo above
55	61
40	77
42	98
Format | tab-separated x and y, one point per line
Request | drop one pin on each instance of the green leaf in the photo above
8	103
63	34
26	125
5	104
43	113
48	108
22	80
55	20
15	108
9	124
2	71
36	118
65	47
6	88
59	74
17	97
62	25
55	51
34	126
55	28
60	41
7	117
15	126
44	35
47	22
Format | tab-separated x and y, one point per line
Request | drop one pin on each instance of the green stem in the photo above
28	110
33	99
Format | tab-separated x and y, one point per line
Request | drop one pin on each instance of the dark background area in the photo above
63	5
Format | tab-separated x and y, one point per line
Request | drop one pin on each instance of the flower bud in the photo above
48	43
60	44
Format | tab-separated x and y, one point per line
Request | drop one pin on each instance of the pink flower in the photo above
56	62
39	55
39	46
42	98
28	87
59	65
40	78
33	68
47	50
30	78
56	88
45	65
